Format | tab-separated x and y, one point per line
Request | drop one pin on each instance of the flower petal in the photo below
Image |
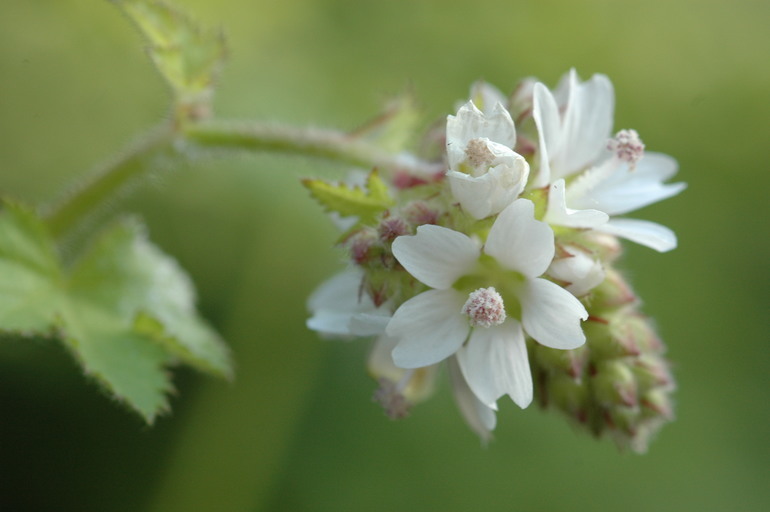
495	363
480	418
558	214
643	232
485	96
334	303
436	256
489	193
586	124
369	323
545	112
519	242
551	314
625	189
430	327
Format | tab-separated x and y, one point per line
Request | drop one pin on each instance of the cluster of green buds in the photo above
495	259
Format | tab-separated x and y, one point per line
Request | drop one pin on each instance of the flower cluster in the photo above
501	264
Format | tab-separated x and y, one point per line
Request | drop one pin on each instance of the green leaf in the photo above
125	310
352	201
188	57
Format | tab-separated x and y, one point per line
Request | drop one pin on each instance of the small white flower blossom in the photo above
615	175
436	324
485	174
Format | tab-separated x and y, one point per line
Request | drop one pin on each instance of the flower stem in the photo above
327	144
117	178
172	143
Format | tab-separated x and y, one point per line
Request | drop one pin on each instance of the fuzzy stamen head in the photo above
627	146
484	308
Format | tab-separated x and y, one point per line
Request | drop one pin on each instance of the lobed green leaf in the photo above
125	310
352	201
188	57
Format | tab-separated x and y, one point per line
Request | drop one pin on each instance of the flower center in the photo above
478	153
484	308
627	146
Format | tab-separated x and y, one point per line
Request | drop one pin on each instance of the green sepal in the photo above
124	310
188	57
366	202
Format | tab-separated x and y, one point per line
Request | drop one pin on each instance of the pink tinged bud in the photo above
659	402
652	372
613	292
484	308
364	246
614	384
391	228
627	146
570	362
419	213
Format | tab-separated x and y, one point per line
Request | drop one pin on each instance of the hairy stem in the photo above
327	144
168	145
115	179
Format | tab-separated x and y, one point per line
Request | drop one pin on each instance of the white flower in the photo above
616	175
485	174
498	299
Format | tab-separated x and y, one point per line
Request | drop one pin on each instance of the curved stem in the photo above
114	179
328	144
169	142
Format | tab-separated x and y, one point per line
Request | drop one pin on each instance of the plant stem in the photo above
140	160
116	178
327	144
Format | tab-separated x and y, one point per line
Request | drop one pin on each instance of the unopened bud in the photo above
614	384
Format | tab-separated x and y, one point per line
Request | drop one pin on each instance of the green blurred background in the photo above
297	429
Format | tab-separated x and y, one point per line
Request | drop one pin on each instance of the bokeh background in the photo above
297	429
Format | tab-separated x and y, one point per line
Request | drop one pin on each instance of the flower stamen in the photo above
627	146
478	153
484	308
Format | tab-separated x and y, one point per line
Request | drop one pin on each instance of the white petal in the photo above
339	292
495	363
586	125
545	112
558	214
437	256
430	327
644	232
625	189
486	96
519	242
551	314
471	123
369	324
335	302
488	194
479	417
